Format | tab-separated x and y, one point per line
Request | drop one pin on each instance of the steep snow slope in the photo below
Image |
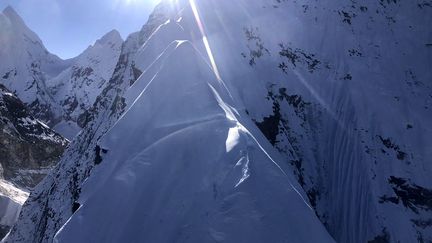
244	192
215	184
76	88
60	189
328	98
341	90
337	88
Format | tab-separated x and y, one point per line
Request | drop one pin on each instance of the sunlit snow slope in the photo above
336	93
179	166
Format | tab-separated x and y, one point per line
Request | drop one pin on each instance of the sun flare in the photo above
139	2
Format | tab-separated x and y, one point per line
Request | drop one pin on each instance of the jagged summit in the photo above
25	65
12	26
77	87
112	36
57	90
10	12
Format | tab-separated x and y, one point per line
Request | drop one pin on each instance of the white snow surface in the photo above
11	200
198	191
347	84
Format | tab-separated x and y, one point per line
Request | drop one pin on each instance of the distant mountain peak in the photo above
112	36
19	27
13	15
9	10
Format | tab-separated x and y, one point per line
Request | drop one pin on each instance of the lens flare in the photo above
205	40
138	2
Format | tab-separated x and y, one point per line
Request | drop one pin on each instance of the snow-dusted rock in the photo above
28	150
76	88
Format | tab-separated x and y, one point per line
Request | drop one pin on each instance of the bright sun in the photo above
133	1
140	2
128	5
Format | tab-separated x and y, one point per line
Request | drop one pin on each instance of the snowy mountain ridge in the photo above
211	186
77	87
212	114
58	91
26	64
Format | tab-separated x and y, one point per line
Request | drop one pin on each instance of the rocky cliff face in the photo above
28	151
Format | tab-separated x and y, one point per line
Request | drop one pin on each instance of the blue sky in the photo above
67	27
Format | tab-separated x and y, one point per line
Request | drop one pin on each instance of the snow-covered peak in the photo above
9	9
12	14
76	88
25	65
15	33
101	51
111	37
161	14
197	186
343	101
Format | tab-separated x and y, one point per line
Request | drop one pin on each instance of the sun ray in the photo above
204	36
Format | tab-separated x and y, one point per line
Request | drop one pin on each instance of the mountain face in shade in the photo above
28	145
256	121
28	151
